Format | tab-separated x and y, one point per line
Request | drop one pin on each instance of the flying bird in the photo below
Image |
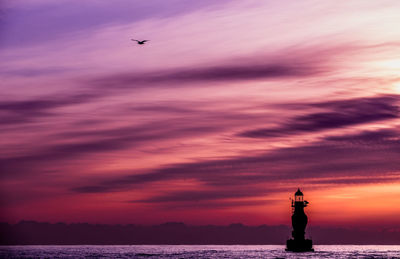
140	42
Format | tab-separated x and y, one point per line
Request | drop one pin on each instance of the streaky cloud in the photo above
222	72
368	137
234	177
210	195
25	111
337	114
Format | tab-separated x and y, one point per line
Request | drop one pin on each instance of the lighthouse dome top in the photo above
298	193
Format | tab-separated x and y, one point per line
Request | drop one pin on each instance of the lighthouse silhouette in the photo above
299	222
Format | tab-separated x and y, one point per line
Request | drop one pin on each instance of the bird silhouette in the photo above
140	42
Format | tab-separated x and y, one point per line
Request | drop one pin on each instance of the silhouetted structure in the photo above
299	223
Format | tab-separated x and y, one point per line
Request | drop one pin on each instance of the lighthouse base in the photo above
304	245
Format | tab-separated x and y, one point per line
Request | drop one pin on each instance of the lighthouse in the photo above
299	222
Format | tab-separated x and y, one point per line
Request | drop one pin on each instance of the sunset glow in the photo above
226	110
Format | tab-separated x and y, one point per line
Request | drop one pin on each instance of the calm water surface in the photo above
196	251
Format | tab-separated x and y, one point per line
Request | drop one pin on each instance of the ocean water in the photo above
196	251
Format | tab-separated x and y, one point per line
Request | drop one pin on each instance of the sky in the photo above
219	118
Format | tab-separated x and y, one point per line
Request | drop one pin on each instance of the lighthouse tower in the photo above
299	222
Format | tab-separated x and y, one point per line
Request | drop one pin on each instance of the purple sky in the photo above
227	109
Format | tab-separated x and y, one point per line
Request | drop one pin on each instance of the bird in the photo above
140	42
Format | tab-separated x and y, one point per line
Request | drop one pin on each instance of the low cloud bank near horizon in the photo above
42	233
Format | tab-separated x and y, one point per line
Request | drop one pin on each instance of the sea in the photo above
197	251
